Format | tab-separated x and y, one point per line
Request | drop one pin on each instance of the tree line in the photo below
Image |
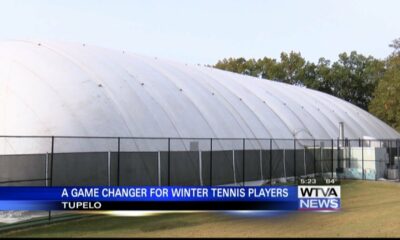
370	83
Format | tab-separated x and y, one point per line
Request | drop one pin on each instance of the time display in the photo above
308	181
313	181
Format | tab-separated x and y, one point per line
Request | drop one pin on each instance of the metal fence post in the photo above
348	156
52	160
270	161
118	161
294	158
338	160
332	157
244	149
315	159
398	156
398	148
362	159
46	169
51	169
109	168
391	159
211	155
169	161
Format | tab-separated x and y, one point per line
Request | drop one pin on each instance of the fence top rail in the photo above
196	138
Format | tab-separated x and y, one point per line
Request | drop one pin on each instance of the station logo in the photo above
319	197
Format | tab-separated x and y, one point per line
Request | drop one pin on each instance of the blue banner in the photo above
161	198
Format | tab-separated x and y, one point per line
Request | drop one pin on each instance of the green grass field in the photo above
369	209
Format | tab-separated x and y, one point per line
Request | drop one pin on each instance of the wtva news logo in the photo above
320	198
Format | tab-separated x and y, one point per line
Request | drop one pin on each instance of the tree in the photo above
269	69
292	65
396	46
239	65
386	102
354	77
289	69
322	76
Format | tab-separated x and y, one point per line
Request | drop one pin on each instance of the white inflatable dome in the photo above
52	88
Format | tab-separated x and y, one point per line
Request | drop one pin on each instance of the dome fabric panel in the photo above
71	89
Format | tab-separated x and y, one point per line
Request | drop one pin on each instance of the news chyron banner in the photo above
292	198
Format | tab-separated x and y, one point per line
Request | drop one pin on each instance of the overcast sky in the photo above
204	31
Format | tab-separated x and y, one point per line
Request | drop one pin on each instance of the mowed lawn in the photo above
369	209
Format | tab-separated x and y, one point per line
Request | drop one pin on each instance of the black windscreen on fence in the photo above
69	161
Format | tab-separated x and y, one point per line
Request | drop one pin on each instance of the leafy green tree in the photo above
289	69
354	77
232	64
239	65
396	46
386	102
292	65
322	76
269	69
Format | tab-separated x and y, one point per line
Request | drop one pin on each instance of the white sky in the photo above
204	31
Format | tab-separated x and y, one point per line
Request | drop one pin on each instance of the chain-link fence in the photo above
113	161
90	161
